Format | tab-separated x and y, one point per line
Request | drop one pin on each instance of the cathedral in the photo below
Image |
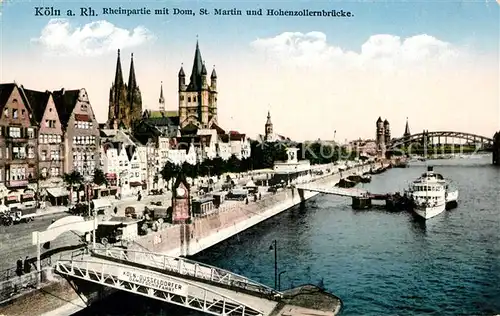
198	99
125	102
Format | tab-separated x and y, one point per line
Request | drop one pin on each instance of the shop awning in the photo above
101	203
57	192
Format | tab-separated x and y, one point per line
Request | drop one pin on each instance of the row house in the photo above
18	143
81	138
124	161
50	147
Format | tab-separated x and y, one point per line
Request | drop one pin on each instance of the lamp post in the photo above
275	248
279	280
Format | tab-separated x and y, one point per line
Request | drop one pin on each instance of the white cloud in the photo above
382	49
95	38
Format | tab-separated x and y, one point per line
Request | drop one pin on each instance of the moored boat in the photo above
430	194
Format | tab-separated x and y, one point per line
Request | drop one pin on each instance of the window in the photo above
23	113
15	132
194	99
31	132
84	107
31	152
14	113
6	112
189	99
44	172
43	155
18	153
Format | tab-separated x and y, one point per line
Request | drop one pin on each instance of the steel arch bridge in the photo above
486	142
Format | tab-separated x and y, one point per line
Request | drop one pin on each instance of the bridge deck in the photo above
191	294
183	267
352	192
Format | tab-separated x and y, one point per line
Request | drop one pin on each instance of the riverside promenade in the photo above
60	298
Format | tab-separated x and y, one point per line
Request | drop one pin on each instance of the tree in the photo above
170	171
99	177
73	179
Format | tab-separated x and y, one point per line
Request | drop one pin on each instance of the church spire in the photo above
132	83
162	99
269	117
118	74
195	79
407	128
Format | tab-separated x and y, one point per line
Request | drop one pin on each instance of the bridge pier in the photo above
361	203
496	149
301	194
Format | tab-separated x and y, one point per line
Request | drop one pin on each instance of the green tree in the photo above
73	180
99	177
170	171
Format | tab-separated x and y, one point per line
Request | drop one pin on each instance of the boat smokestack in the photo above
430	168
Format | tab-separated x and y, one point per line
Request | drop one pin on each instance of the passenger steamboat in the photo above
431	194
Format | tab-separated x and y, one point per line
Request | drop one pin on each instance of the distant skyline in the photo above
435	63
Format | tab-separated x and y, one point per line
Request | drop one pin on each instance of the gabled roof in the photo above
5	92
219	130
130	151
189	129
65	101
181	178
38	101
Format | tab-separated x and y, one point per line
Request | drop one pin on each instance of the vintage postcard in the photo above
249	158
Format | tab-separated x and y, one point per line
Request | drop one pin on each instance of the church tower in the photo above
380	137
161	100
117	112
134	96
387	133
268	128
198	99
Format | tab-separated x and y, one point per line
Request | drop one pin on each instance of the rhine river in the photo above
379	263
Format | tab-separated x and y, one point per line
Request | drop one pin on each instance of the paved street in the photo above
15	240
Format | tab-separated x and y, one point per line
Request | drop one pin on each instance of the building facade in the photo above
198	98
81	132
125	101
18	143
50	147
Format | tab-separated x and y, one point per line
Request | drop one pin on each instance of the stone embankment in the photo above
61	297
204	232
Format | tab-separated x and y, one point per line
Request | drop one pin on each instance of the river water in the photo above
379	263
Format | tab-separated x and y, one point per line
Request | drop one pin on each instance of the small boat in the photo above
366	178
345	183
430	194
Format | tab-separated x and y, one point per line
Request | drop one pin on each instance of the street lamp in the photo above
279	280
275	248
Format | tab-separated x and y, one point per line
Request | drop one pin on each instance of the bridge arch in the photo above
428	137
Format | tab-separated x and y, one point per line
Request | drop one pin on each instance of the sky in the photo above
433	62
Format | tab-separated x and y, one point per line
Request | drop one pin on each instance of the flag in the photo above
271	247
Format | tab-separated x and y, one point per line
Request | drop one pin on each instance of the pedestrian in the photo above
19	267
27	266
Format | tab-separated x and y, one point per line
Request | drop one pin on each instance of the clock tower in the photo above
181	201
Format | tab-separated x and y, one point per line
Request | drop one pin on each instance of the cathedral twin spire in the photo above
125	102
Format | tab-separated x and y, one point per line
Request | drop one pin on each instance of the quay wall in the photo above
61	297
204	232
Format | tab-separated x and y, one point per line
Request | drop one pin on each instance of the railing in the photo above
188	267
157	286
